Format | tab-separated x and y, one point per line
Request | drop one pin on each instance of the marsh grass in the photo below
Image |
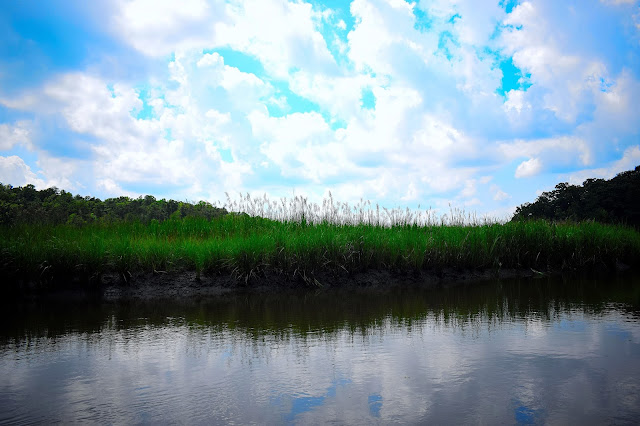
300	241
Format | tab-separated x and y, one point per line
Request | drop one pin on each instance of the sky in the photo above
473	104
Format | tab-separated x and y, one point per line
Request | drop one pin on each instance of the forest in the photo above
607	201
51	206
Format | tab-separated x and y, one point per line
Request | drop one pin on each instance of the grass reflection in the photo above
325	313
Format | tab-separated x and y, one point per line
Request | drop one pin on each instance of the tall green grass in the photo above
302	242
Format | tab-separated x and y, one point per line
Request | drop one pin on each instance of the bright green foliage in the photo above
251	247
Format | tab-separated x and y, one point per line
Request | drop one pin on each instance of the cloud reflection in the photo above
412	357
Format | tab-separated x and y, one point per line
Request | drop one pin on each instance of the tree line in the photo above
54	206
609	201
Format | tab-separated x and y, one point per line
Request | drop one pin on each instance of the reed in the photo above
301	241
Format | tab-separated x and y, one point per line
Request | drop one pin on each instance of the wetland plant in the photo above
300	241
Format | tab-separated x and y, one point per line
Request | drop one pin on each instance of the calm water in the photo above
512	352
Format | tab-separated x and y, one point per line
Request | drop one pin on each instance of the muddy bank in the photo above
186	284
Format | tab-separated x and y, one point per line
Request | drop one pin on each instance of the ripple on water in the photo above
362	359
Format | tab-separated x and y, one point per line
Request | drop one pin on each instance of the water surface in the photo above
533	351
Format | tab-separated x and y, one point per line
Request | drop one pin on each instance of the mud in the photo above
181	285
187	285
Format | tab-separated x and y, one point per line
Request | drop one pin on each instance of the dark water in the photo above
533	351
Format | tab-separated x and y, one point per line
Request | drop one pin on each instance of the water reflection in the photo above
517	352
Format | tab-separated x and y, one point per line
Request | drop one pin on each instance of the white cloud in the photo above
629	160
411	194
387	127
469	189
158	27
478	19
516	101
528	168
281	34
565	80
14	171
198	79
300	144
340	95
562	150
18	133
460	82
210	60
127	150
218	117
230	78
498	194
380	27
60	172
111	188
616	108
432	132
443	140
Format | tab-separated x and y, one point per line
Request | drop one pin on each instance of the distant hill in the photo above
609	201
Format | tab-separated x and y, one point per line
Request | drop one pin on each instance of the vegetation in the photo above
607	201
53	207
249	247
60	238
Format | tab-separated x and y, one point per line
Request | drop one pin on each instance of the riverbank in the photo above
238	251
148	286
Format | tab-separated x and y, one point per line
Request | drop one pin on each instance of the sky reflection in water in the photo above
522	352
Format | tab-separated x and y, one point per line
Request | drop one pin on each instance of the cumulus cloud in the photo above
559	151
499	194
159	27
562	81
629	160
299	144
126	150
528	168
287	40
230	78
18	133
516	101
387	100
14	171
381	28
340	95
615	107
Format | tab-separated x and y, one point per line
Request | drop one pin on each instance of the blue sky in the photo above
479	105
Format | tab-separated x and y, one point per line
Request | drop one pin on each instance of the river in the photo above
517	352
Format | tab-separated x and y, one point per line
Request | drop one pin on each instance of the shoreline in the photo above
186	257
185	285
